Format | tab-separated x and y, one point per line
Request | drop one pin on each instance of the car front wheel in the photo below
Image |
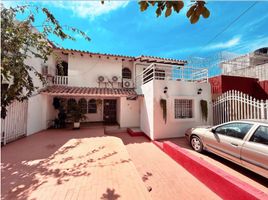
196	144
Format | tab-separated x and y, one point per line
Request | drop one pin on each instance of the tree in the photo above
20	41
197	9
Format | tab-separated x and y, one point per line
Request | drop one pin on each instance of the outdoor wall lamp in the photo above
165	89
199	91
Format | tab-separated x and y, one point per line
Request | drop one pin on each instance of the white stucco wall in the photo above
147	110
84	70
129	115
37	114
154	125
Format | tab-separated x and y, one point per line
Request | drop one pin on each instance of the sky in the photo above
118	27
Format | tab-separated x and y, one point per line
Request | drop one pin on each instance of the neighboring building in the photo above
247	73
125	90
254	65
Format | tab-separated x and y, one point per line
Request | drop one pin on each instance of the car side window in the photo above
236	130
260	135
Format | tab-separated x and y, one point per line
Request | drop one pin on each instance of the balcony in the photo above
169	72
60	80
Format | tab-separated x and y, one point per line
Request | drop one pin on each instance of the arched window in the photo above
70	104
83	105
92	106
126	73
62	69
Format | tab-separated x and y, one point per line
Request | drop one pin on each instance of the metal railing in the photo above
60	80
170	72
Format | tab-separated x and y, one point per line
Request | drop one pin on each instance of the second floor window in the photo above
62	69
126	73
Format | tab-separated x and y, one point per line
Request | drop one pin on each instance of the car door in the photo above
254	153
227	140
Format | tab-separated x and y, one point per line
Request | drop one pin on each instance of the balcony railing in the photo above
60	80
169	72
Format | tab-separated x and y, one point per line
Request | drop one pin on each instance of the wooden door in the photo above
109	112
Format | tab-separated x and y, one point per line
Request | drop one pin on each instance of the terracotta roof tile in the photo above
141	58
67	90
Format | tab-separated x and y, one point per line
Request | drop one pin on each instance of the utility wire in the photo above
229	25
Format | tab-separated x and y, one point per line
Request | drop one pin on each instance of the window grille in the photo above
183	108
126	73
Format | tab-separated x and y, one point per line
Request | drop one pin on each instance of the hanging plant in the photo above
204	109
163	104
99	103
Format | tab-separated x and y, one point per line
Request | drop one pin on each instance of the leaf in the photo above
177	6
158	11
194	18
205	13
168	12
199	10
143	5
190	11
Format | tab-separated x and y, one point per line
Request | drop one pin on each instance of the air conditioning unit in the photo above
115	78
101	79
128	83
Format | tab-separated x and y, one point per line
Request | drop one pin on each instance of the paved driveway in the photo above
67	164
167	178
86	164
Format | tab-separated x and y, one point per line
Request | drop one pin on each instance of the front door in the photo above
109	112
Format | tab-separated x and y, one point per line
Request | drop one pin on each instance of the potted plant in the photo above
76	115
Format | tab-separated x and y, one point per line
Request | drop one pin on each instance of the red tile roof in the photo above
161	60
87	91
141	58
92	53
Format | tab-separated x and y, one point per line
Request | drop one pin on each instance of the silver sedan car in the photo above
243	142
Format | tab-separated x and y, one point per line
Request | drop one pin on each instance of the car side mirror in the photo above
213	130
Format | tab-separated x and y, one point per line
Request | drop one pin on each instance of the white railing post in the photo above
262	109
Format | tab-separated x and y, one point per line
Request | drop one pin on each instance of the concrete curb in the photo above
219	181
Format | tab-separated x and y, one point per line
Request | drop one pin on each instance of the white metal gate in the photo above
14	125
235	105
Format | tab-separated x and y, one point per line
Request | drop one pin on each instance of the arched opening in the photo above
126	73
70	104
92	106
83	105
62	69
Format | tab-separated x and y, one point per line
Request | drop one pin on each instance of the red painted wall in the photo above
250	86
264	85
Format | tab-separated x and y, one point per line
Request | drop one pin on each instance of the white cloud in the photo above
88	9
223	45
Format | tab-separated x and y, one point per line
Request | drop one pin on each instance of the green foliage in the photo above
76	113
197	8
20	42
204	109
163	104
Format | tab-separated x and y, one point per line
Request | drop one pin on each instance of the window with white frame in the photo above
183	108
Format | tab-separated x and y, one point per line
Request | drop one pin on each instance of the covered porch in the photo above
100	106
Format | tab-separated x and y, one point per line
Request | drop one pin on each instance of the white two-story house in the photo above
158	95
125	90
